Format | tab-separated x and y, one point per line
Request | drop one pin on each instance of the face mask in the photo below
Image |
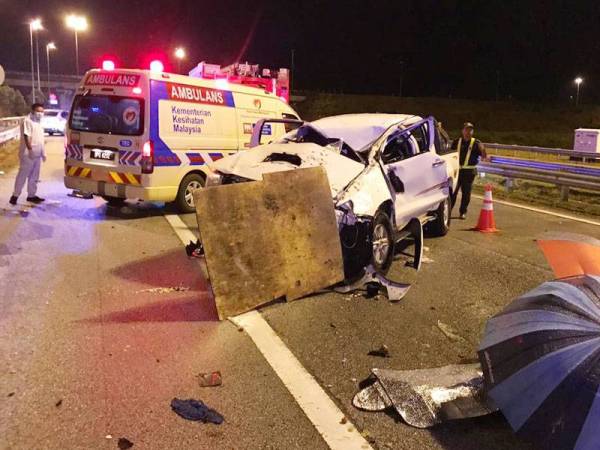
37	116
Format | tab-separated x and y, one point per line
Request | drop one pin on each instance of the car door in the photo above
416	174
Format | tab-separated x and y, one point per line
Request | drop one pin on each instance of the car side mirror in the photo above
397	183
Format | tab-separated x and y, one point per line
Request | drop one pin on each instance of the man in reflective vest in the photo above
470	150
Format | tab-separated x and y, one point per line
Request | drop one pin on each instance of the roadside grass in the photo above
535	193
9	155
500	122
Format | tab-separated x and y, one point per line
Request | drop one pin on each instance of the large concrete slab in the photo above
267	239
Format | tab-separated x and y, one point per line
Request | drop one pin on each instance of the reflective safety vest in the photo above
465	164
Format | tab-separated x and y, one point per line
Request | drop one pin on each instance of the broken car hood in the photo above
251	163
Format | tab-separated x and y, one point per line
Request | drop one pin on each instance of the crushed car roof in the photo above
359	130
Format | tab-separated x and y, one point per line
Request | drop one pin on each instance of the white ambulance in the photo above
140	134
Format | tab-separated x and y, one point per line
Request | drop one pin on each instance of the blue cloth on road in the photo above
197	410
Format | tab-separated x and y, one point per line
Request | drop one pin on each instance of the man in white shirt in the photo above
31	155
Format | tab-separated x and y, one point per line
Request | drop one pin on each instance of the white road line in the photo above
544	211
181	229
312	399
316	404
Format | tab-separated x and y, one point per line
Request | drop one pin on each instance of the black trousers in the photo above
464	184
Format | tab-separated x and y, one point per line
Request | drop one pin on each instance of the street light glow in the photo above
77	23
180	53
578	80
50	46
36	25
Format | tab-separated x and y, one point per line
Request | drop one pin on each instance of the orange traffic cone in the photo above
486	223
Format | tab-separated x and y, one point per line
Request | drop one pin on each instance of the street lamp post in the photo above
179	54
34	25
578	82
49	46
37	57
77	24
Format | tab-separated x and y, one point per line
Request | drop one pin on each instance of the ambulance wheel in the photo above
114	201
382	241
441	224
185	197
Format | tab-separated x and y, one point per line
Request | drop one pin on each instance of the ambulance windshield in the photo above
108	114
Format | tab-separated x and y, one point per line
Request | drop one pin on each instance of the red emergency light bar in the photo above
108	65
273	81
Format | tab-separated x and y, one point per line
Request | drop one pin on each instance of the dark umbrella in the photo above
541	362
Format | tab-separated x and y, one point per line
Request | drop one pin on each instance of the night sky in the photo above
468	49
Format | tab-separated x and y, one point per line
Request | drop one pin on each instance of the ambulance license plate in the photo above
104	155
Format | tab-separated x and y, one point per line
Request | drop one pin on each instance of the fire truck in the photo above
273	81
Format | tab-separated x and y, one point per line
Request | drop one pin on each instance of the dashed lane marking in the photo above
543	211
325	416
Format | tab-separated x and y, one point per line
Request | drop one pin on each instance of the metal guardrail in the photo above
565	176
544	150
9	128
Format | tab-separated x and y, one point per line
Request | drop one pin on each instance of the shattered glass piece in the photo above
426	397
372	398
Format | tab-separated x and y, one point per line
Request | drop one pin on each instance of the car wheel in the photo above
441	224
185	196
114	201
382	240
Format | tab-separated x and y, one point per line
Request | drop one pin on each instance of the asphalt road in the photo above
95	342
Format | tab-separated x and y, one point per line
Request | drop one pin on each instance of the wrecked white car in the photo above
386	175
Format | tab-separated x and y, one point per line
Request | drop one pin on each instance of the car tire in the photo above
441	224
185	199
382	242
114	201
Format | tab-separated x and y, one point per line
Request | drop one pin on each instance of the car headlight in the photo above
213	179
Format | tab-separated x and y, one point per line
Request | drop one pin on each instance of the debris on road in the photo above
372	289
264	241
395	291
58	403
124	444
382	352
210	379
164	290
194	249
426	397
450	332
196	410
81	194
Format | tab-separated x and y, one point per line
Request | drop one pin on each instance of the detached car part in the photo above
426	397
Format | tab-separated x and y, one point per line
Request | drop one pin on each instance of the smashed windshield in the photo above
305	133
309	133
